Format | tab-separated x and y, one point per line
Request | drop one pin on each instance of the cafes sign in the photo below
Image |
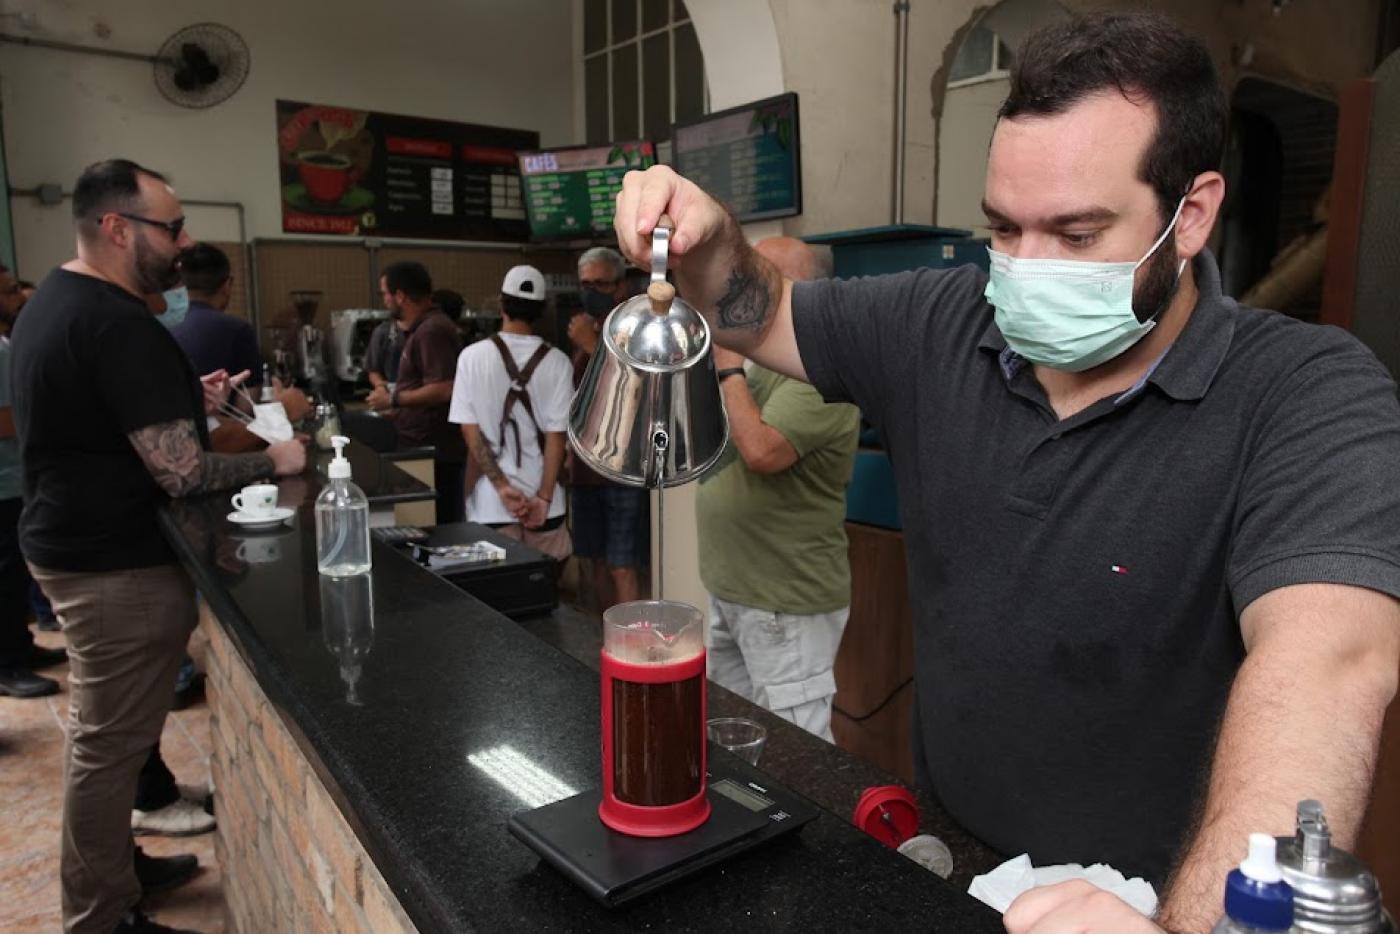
361	173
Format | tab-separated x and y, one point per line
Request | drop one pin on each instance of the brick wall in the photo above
289	860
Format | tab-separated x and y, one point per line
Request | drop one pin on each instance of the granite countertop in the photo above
828	775
372	472
391	681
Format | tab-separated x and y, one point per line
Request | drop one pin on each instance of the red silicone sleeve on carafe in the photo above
642	820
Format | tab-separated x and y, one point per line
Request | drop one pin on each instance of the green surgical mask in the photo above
1068	314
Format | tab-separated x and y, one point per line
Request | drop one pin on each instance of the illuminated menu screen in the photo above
748	157
573	192
364	173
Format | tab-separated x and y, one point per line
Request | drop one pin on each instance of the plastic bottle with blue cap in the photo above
1257	900
342	520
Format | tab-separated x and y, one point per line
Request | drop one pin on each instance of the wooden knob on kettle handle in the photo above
661	294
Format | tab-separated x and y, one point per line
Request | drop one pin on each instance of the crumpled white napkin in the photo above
999	888
270	422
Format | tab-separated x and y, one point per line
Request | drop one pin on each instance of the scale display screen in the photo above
741	795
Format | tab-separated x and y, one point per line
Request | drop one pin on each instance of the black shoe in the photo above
163	873
21	682
137	923
40	657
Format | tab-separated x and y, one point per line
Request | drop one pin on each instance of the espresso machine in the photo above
648	413
351	329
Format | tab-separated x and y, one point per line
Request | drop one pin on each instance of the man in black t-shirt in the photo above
111	421
1153	535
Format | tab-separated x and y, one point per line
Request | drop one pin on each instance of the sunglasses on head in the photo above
171	227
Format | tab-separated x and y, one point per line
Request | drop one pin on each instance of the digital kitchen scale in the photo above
615	868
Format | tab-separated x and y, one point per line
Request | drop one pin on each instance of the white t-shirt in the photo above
479	397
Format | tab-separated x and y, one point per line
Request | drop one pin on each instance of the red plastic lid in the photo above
888	813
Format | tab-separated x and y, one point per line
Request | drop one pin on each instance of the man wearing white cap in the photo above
511	397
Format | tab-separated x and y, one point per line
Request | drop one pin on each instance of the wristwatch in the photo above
723	375
394	397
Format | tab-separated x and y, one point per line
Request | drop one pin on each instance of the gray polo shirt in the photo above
1076	584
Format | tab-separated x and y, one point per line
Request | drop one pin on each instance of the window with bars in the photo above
642	69
983	56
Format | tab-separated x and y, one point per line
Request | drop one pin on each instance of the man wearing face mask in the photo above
211	336
103	443
611	523
1153	535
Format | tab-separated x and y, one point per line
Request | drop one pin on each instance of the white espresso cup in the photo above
257	500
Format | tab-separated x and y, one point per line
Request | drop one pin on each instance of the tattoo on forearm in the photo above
177	461
226	471
172	454
744	303
486	460
748	296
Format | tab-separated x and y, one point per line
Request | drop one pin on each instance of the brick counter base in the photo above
289	860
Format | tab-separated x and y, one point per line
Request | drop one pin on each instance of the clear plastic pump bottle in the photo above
1257	900
342	521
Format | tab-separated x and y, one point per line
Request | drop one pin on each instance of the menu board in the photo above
747	157
361	173
572	192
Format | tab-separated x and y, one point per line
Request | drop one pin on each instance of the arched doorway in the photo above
973	85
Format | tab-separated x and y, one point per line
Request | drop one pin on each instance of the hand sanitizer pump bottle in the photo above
342	521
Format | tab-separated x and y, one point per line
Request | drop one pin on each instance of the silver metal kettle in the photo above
1333	891
648	411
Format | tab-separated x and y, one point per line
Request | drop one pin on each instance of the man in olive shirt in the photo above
772	543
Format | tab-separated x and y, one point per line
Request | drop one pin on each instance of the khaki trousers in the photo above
780	661
126	633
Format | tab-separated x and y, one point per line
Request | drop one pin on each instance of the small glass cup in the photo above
739	735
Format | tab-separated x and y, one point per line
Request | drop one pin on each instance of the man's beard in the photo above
1159	281
396	311
154	272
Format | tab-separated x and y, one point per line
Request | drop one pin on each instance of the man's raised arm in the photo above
746	301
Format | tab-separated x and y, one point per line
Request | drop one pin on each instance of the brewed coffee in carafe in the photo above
653	693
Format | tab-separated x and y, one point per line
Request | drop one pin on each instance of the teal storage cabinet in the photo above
873	251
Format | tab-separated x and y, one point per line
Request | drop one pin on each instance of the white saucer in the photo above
279	515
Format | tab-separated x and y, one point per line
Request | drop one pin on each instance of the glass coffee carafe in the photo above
653	670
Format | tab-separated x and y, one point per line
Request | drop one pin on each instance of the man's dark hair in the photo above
410	278
113	185
1143	56
204	268
451	303
522	309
